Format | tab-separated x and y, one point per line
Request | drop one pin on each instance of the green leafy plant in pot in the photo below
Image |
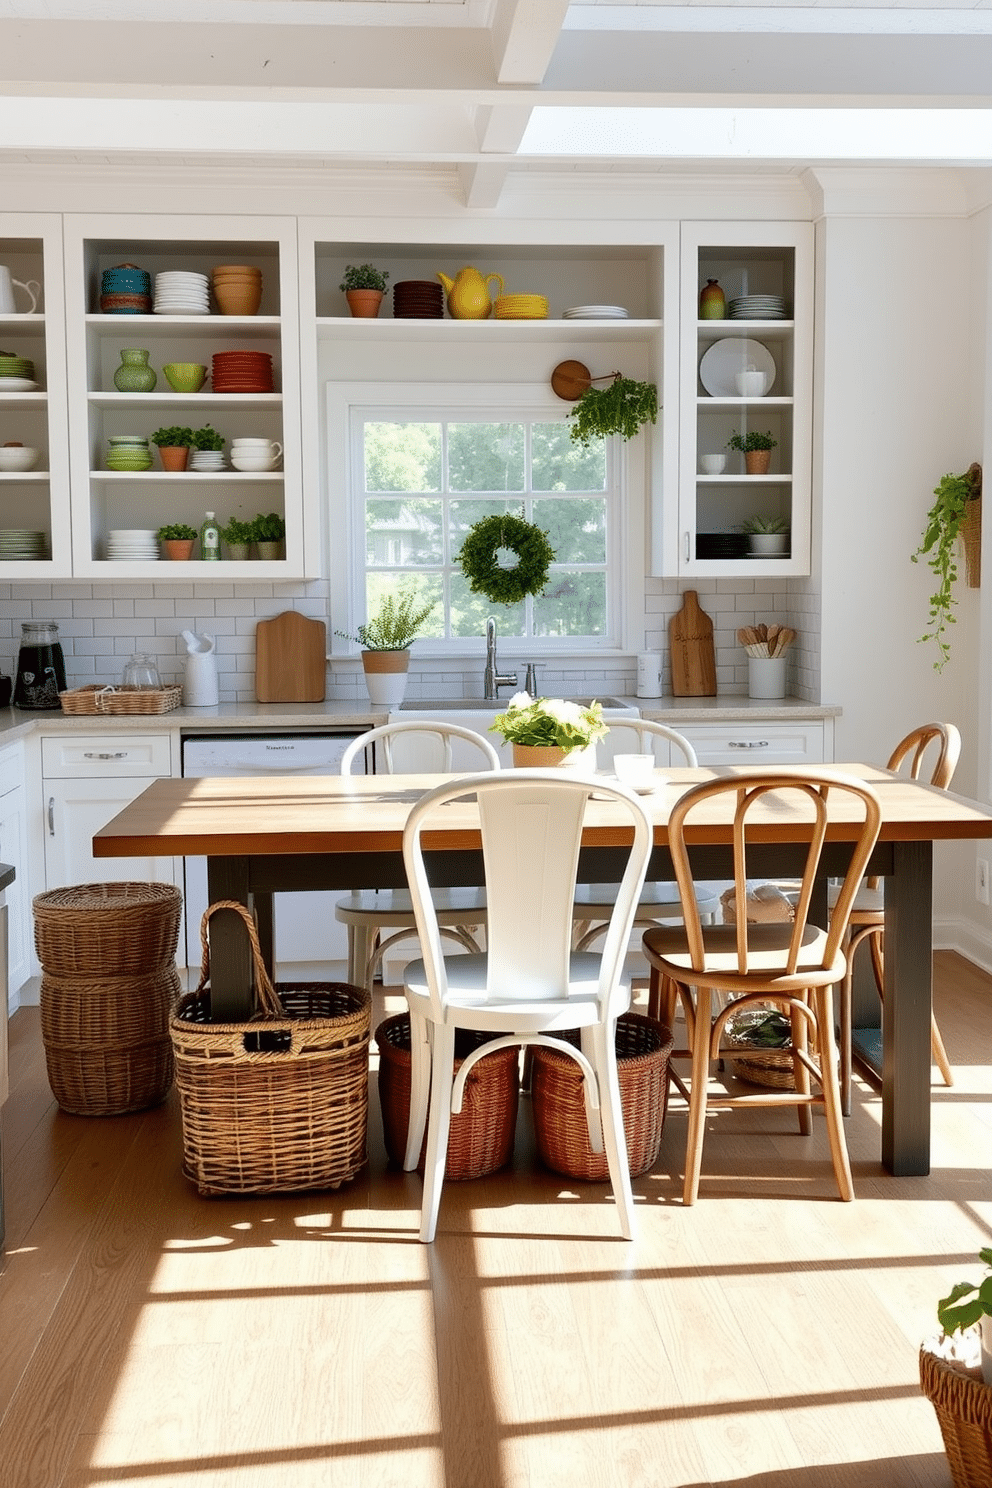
385	639
551	731
239	537
756	447
177	539
968	1303
268	530
207	438
956	513
174	445
767	535
363	287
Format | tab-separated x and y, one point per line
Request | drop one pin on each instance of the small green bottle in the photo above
210	540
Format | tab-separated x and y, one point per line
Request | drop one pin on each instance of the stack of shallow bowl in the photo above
178	292
418	299
520	307
132	544
125	290
206	460
237	289
18	544
242	372
128	452
16	374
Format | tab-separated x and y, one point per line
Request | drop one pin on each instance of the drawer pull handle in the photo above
105	754
747	744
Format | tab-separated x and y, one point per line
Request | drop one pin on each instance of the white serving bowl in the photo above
253	462
18	457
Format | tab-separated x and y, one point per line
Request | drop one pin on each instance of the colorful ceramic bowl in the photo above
185	377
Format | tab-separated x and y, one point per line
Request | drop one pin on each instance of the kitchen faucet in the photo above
493	680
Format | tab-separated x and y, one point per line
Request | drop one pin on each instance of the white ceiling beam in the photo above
525	34
482	185
840	20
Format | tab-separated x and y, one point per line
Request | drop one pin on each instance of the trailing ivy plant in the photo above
943	527
621	408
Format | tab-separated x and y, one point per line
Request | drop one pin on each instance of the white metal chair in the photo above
791	966
659	901
529	987
868	915
369	912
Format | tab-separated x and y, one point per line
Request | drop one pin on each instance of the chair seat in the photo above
867	901
767	942
395	907
595	901
466	993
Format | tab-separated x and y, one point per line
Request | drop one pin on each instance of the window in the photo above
423	482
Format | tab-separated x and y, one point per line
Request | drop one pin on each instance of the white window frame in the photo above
497	402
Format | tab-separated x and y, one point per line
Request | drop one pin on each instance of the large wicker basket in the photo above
480	1138
278	1103
643	1048
107	929
963	1403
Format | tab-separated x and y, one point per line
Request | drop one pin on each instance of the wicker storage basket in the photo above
106	700
107	929
107	1045
480	1139
643	1046
279	1103
963	1403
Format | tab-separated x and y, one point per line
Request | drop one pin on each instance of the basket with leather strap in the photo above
643	1047
278	1103
963	1402
480	1137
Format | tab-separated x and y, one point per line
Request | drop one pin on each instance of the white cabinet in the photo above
104	500
87	780
34	504
14	850
807	741
766	273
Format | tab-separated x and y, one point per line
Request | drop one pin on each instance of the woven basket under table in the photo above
107	929
643	1047
278	1103
963	1403
480	1137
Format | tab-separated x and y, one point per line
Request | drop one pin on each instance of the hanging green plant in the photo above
622	408
486	558
945	521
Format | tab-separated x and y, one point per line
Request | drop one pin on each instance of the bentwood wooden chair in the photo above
936	747
368	913
529	987
791	966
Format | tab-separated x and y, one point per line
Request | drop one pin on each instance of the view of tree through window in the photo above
427	483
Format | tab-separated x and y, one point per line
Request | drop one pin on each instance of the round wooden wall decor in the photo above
570	380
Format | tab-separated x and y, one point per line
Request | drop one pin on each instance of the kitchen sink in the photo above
494	705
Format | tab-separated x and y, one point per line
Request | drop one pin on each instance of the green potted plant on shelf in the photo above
269	532
174	445
756	449
177	539
767	535
957	512
364	286
551	731
207	438
621	408
238	537
385	639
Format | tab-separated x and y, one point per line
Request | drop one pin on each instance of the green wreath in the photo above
485	575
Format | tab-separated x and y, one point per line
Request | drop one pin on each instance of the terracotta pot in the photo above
173	456
756	462
178	548
551	757
364	303
385	676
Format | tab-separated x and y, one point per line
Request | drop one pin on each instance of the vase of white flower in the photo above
551	733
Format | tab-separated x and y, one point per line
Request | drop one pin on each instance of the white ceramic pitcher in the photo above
200	687
7	286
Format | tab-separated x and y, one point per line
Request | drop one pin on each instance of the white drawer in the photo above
11	768
78	756
777	743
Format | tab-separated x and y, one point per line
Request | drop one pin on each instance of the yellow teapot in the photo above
468	294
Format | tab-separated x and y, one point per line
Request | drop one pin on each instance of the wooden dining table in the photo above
263	836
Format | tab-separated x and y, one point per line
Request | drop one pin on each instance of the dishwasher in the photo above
305	927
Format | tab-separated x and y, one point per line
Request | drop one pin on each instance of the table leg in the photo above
906	1014
230	954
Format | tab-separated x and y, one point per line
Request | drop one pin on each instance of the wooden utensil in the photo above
690	639
290	659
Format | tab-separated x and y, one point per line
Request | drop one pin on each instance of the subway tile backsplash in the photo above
102	625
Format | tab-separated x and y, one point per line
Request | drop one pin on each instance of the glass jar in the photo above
40	667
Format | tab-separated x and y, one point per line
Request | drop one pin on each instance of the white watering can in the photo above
200	688
7	286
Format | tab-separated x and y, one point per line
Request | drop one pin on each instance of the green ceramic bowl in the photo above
185	377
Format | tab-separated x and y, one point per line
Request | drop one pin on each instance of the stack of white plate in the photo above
131	544
180	293
595	312
18	543
205	460
757	307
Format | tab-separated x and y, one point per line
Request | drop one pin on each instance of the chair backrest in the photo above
531	824
624	732
915	745
435	737
755	813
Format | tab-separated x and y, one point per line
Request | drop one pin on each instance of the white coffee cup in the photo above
752	383
634	770
712	464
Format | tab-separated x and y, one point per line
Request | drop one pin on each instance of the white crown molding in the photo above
889	191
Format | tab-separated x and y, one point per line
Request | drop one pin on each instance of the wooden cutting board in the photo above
690	640
290	659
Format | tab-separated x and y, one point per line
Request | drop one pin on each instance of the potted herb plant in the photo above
551	731
238	537
955	513
177	540
174	445
756	449
385	639
621	408
207	438
768	536
269	532
364	287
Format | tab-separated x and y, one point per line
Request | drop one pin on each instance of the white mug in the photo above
7	286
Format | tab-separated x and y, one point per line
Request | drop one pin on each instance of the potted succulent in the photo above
177	540
269	532
955	513
174	445
756	449
364	287
768	536
238	537
385	639
621	408
551	731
